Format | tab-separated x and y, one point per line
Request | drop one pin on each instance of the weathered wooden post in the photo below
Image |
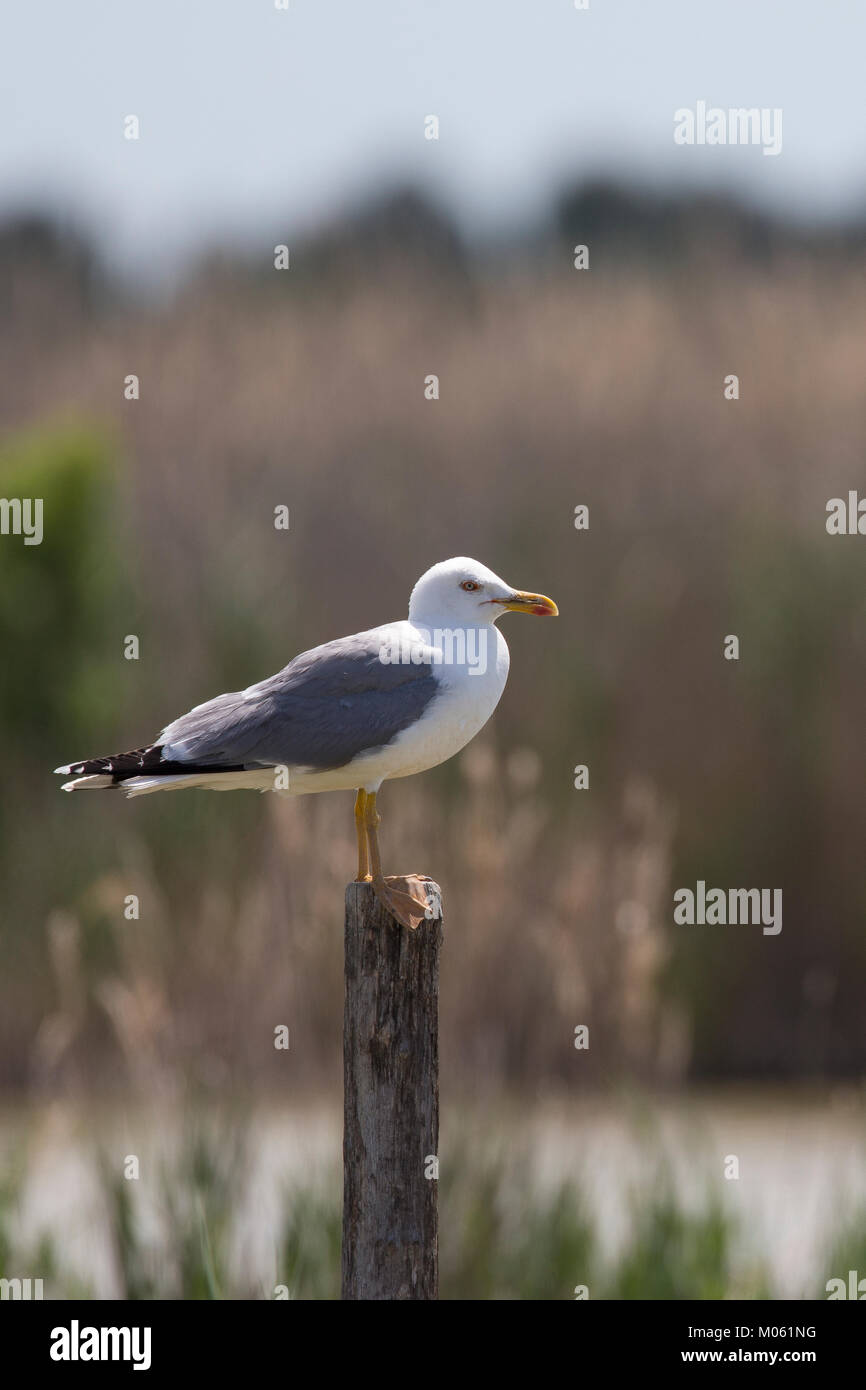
391	1101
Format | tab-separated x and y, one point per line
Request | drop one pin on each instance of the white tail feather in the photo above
256	779
96	779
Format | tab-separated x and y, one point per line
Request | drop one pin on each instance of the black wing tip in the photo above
119	765
141	762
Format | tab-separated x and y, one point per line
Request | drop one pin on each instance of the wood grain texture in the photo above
391	1103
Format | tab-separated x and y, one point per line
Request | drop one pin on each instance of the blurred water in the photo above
802	1168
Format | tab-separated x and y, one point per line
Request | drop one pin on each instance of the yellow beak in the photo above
539	604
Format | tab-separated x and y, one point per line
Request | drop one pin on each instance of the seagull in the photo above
348	715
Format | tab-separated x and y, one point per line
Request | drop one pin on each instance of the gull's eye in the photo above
470	586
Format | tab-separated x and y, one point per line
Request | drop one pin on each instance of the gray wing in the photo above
322	710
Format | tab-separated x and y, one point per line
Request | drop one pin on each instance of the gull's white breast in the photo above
469	691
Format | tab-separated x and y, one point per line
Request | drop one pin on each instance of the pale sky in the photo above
256	123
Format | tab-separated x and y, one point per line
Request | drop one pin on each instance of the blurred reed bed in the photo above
265	948
557	388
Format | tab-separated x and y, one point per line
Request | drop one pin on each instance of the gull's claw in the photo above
406	898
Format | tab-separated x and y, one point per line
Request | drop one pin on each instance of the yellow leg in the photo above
405	898
371	822
361	831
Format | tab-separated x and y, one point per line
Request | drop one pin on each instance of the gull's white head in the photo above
464	593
